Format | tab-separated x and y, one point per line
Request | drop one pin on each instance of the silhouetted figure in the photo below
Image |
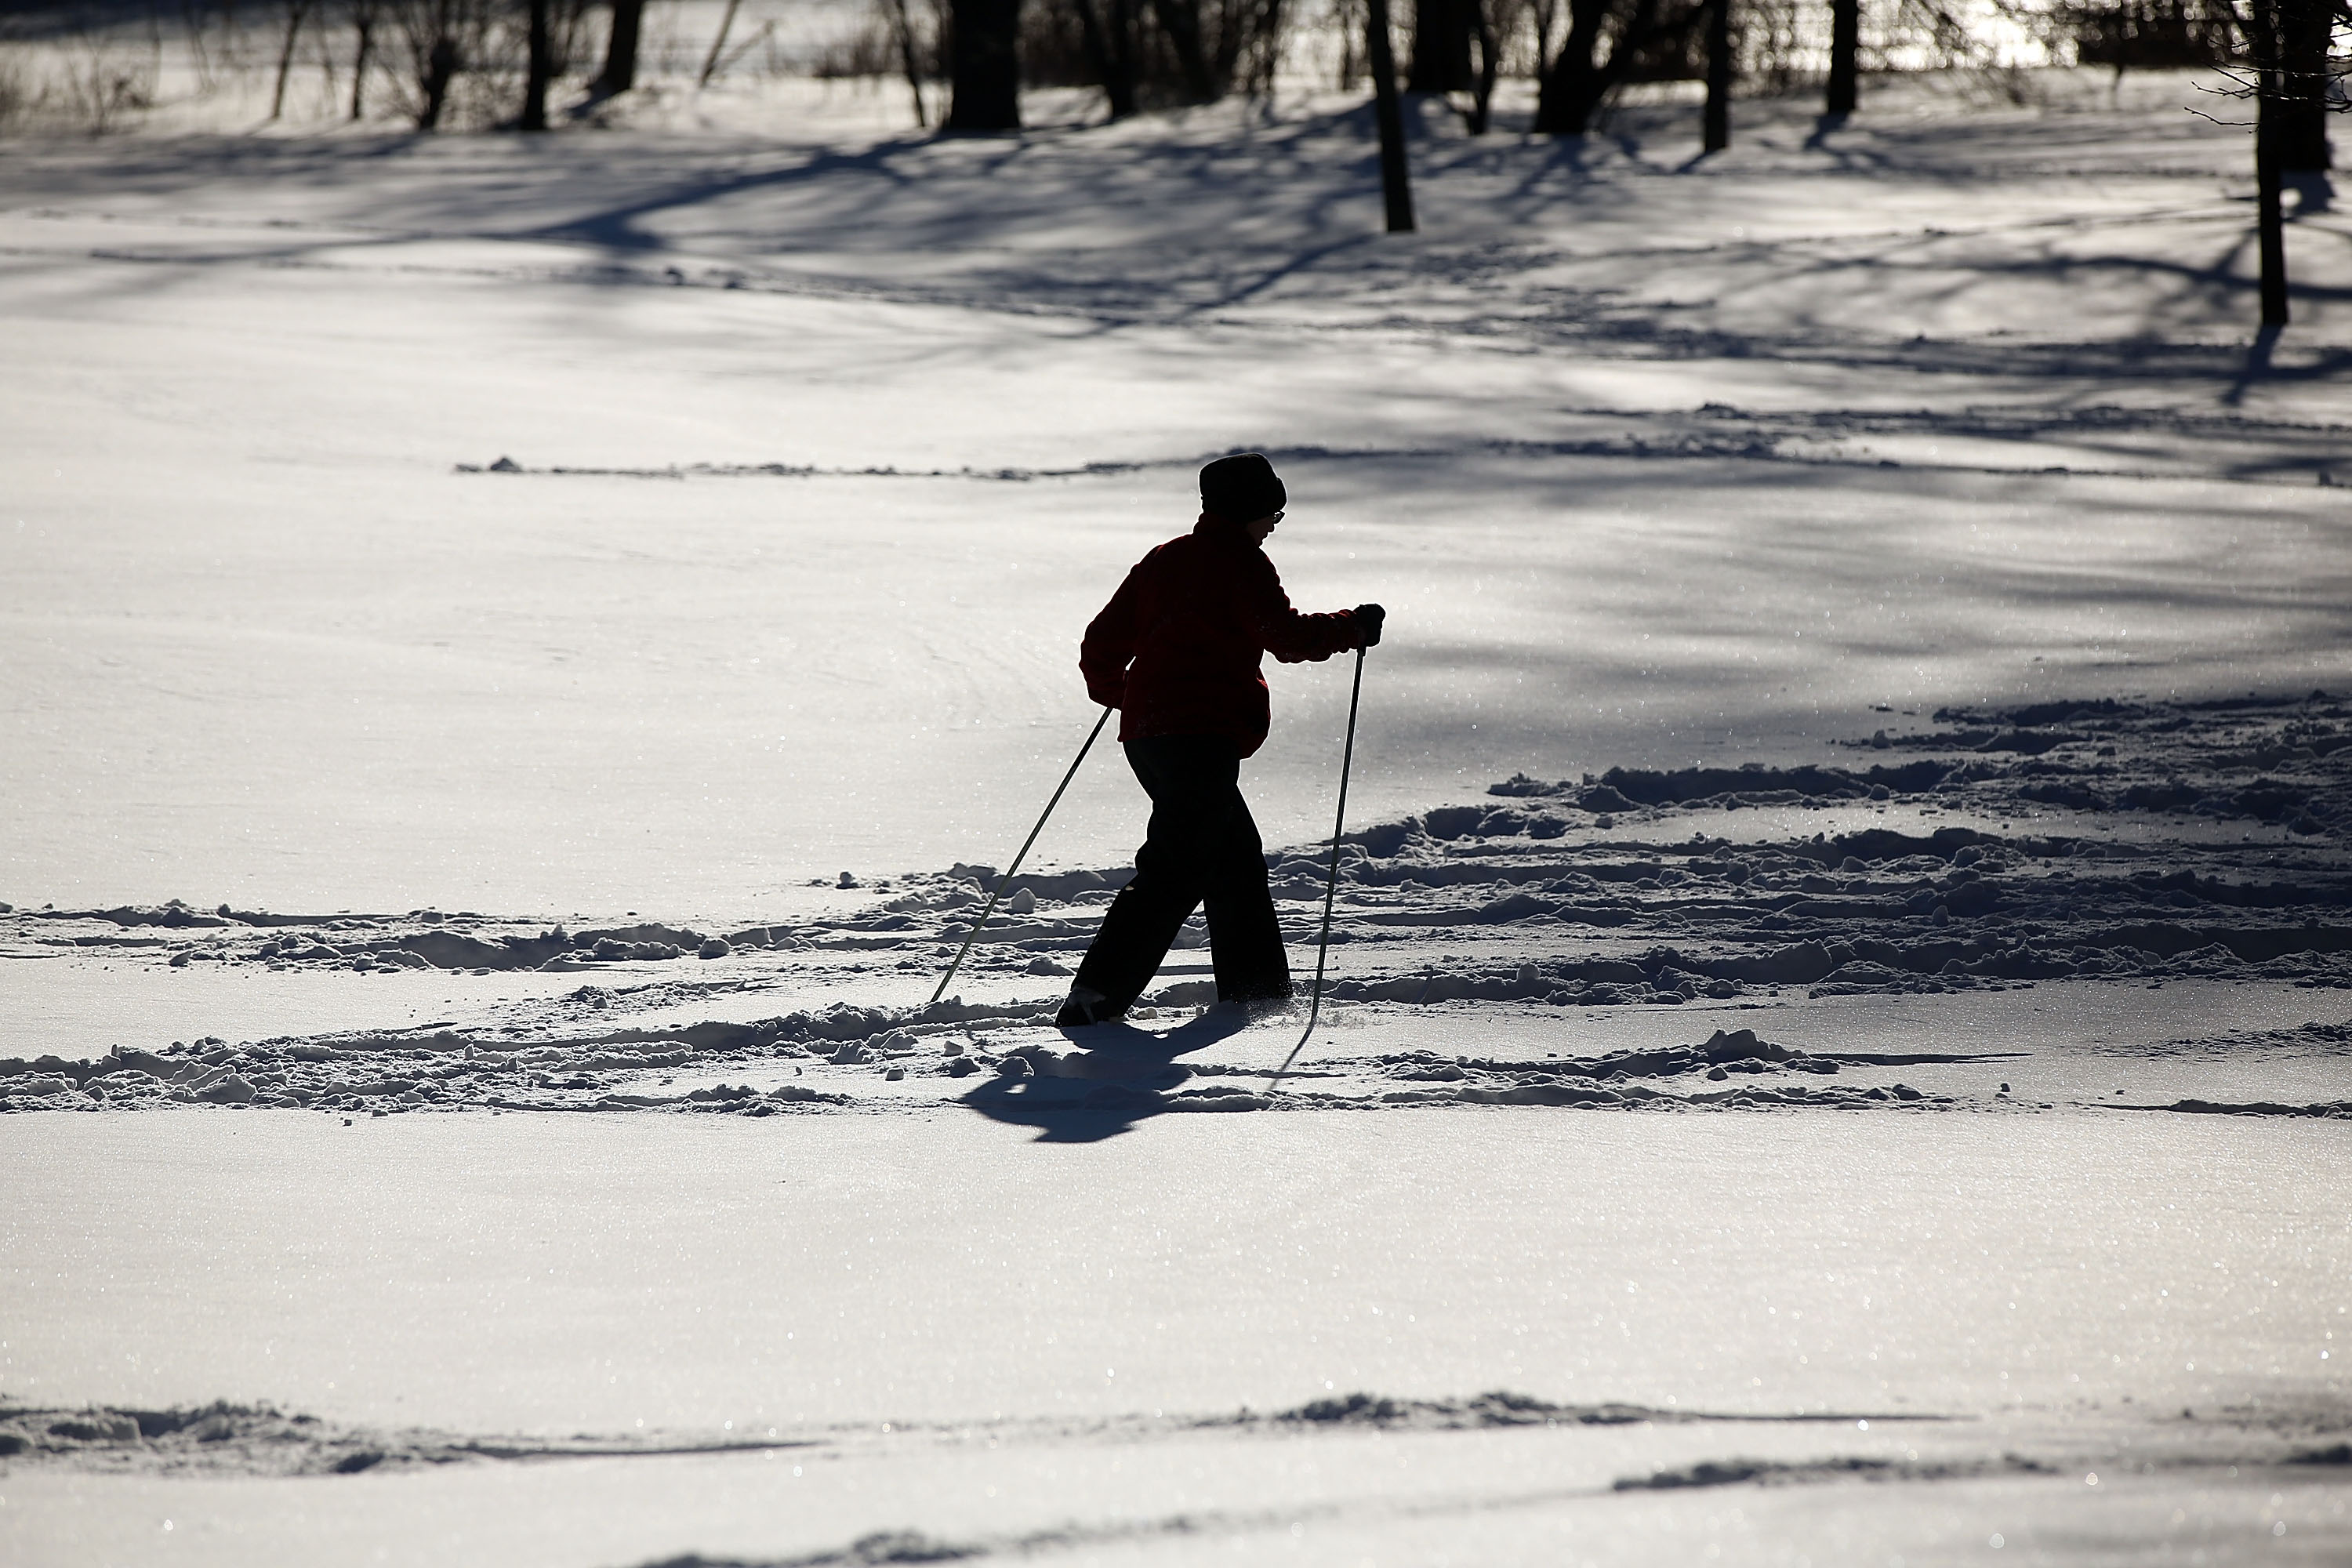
1177	651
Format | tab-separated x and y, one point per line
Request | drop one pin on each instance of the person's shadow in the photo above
1120	1075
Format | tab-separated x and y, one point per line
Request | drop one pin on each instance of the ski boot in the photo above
1085	1007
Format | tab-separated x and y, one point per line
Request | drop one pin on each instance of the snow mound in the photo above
2336	1110
1502	1407
2265	760
226	1438
1846	1468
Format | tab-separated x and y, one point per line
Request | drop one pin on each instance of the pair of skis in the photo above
1330	884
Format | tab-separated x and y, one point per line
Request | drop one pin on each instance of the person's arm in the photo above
1294	637
1109	646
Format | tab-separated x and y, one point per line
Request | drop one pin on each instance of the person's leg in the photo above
1189	808
1245	939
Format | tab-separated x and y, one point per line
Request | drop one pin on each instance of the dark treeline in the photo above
433	61
1146	54
501	62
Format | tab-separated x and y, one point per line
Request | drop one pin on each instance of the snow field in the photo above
724	1275
829	440
543	686
688	714
1441	1503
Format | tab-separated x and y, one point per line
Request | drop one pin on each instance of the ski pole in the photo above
1006	880
1332	883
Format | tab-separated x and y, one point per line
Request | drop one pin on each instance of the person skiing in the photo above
1177	651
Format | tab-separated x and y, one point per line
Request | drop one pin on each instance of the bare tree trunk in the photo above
364	26
1241	54
1845	58
537	70
719	43
1181	20
1271	25
2270	223
903	25
1396	183
2270	219
620	73
324	46
1489	64
1225	60
1109	45
1441	47
440	69
194	13
1718	74
984	60
2304	35
296	10
1090	36
1574	85
1125	22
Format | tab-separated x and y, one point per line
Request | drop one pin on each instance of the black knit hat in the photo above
1243	488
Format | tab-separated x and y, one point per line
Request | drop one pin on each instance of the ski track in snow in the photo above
226	1438
1525	916
2102	441
2296	1447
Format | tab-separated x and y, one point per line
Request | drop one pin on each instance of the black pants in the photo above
1201	849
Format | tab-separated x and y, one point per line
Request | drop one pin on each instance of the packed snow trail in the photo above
1595	944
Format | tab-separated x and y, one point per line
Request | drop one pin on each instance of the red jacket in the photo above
1176	650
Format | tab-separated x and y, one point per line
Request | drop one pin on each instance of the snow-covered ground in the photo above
1610	439
1946	1323
1977	1054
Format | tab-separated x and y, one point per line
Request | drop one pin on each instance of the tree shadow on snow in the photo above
1118	1075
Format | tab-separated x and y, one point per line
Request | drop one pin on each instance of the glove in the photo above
1367	625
